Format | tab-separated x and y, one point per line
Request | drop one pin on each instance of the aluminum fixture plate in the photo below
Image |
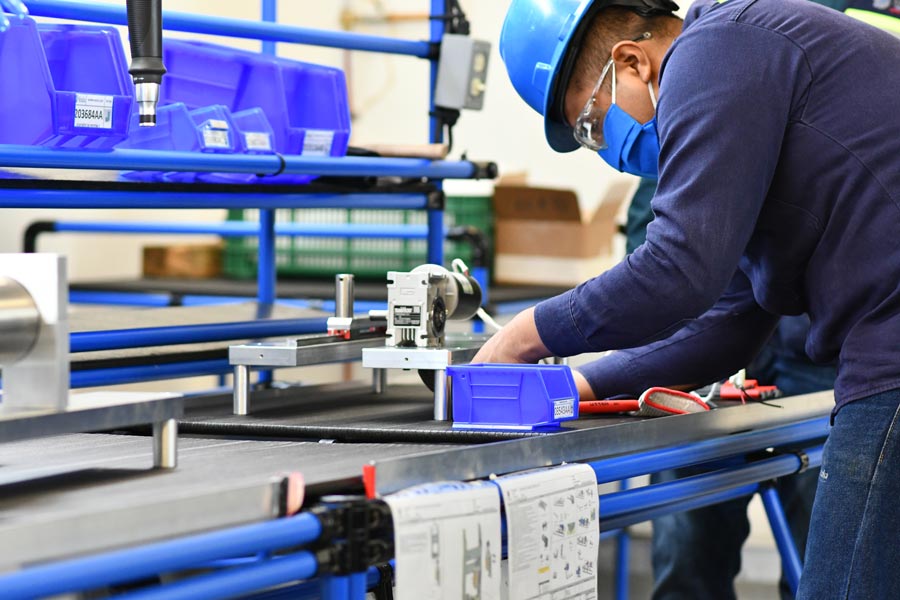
96	411
459	350
290	354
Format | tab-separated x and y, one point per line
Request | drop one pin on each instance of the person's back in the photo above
824	240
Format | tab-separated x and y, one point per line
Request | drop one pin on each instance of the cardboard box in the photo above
543	238
196	261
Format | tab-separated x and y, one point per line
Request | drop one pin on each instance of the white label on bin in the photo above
563	409
317	142
93	111
215	138
255	140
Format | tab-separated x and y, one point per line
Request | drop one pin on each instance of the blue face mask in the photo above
630	147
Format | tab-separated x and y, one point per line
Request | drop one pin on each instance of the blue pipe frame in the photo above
618	510
234	28
268	32
246	228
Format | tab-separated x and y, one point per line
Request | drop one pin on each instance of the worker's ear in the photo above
632	60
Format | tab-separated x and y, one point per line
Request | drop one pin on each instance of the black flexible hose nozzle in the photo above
145	37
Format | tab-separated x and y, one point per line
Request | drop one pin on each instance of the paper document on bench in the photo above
447	539
552	533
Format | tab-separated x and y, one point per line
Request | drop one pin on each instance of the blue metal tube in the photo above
122	375
15	198
247	229
236	28
12	155
91	341
265	274
435	251
135	563
358	586
620	503
334	587
639	516
269	15
623	544
120	298
781	530
234	582
623	467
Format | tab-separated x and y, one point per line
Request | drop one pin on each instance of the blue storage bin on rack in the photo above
211	129
305	104
48	98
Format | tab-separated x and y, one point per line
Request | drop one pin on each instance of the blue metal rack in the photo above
17	193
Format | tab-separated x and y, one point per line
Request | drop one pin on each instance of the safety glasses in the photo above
588	129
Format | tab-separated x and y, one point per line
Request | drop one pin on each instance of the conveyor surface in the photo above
95	492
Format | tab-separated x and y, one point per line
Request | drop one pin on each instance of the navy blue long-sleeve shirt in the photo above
779	193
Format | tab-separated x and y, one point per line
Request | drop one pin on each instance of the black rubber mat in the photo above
313	289
346	413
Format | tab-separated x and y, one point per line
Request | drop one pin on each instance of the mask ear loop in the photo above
649	87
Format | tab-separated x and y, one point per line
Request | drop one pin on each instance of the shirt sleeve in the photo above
719	343
728	92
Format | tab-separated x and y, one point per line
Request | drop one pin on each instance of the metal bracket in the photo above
384	589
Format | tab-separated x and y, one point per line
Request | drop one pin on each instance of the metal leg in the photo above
334	587
623	542
241	390
379	380
358	586
790	558
441	404
165	444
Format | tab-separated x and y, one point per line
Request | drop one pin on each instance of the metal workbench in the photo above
94	493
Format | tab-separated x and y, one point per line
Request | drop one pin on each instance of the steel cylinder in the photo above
343	295
20	321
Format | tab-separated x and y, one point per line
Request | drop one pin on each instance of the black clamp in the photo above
357	533
804	460
384	589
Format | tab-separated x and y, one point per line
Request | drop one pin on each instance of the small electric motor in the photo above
421	302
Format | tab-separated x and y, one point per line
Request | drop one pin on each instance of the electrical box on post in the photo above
462	73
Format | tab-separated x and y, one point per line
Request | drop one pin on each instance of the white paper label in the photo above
93	111
255	140
447	539
552	533
563	409
215	138
317	142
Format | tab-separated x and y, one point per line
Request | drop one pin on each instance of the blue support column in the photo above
623	544
269	15
790	558
358	586
435	217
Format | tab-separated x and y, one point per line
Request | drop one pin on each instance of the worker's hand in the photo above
15	7
517	342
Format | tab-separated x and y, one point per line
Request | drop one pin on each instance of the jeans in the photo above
853	550
697	554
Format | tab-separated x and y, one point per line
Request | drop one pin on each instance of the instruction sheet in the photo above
447	538
552	532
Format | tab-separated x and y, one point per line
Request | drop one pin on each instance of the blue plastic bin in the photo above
517	397
208	129
305	104
63	86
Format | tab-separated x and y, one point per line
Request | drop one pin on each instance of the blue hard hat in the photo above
539	44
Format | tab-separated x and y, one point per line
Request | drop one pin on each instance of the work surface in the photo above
94	491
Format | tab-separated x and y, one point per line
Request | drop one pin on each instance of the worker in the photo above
772	127
719	531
